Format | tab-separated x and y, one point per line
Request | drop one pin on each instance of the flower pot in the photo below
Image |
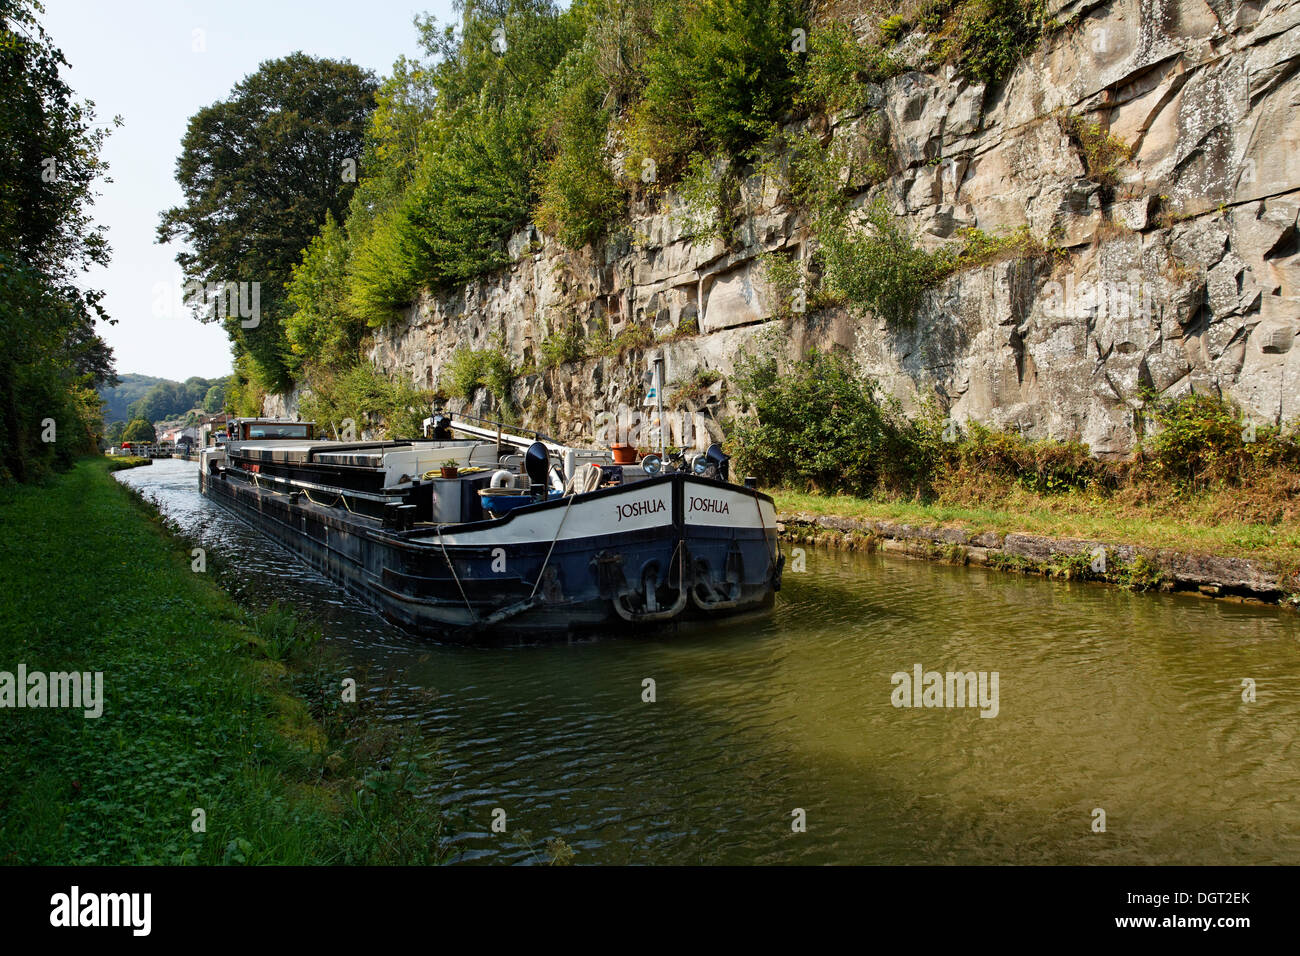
624	454
450	471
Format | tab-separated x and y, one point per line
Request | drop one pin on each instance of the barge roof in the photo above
365	454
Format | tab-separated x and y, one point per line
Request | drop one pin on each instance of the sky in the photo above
155	63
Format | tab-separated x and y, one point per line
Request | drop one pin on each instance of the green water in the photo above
1127	703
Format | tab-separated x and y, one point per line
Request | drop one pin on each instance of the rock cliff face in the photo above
1184	274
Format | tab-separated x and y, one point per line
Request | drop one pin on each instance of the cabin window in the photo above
278	431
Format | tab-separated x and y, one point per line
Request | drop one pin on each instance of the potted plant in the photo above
450	468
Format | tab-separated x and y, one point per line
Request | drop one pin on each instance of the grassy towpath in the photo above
202	720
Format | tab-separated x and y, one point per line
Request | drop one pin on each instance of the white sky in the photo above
137	59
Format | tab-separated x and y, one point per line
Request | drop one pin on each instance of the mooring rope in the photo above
455	577
307	495
538	582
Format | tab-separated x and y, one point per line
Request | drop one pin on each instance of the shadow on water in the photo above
1127	703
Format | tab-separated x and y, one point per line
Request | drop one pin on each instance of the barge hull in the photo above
673	549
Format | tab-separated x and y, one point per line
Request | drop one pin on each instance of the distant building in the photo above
209	425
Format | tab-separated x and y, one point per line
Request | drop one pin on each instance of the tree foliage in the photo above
320	326
716	78
362	398
53	360
260	172
451	194
167	399
1201	440
820	423
139	430
578	194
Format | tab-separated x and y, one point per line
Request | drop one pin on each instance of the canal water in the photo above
778	741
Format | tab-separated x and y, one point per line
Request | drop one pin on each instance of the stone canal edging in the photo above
1132	566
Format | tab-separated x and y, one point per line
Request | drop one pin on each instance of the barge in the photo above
472	534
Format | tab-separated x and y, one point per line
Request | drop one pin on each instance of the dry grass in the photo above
1260	521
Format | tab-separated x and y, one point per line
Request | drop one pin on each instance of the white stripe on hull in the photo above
726	508
706	505
585	519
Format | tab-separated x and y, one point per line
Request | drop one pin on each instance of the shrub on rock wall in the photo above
717	78
820	424
578	194
1201	440
470	369
839	68
1102	153
362	398
984	39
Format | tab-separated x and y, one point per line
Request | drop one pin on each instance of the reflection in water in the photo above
1128	703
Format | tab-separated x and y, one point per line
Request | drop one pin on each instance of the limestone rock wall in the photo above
1185	275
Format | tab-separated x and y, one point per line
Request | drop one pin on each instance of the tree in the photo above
260	172
139	430
716	78
322	328
52	361
579	194
462	154
470	193
215	398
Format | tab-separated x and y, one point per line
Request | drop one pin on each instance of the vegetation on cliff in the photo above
572	118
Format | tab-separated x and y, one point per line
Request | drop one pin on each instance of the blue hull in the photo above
669	549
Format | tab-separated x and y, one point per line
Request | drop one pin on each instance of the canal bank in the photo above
222	736
968	536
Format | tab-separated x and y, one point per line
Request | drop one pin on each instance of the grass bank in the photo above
1194	525
206	707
